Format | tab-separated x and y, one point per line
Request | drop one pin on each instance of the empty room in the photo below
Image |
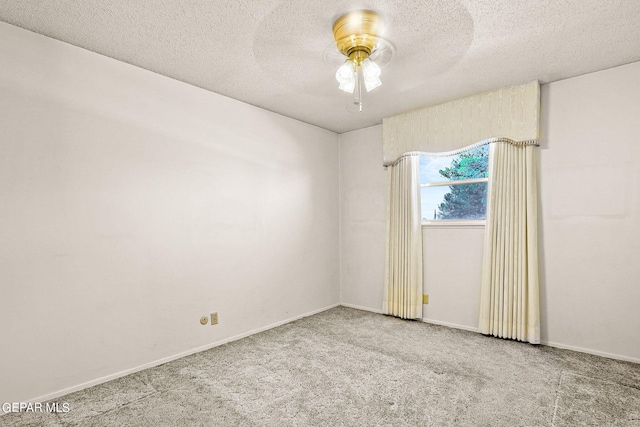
292	213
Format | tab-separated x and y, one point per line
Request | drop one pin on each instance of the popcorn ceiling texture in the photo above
271	53
346	367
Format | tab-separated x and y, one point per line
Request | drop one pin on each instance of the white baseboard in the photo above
451	325
589	351
547	343
126	372
359	307
130	371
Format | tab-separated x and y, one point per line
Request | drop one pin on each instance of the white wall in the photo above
452	266
363	204
590	197
132	204
590	222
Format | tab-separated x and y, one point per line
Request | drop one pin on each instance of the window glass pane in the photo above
430	198
462	201
468	165
430	168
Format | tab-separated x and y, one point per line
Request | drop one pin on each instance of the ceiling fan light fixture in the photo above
357	35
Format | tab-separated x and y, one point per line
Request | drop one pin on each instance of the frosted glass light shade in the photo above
370	69
348	86
371	72
371	84
346	76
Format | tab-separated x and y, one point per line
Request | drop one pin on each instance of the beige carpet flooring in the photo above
346	367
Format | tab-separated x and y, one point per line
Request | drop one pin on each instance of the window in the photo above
455	187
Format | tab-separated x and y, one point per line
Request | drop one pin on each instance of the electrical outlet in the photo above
214	318
425	299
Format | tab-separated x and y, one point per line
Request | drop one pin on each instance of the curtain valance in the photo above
500	140
510	112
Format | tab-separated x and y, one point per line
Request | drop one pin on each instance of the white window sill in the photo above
454	223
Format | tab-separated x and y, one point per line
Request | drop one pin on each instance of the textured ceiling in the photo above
272	53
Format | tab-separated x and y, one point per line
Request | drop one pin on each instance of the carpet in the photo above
347	367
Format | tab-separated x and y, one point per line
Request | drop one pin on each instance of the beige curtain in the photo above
509	296
403	275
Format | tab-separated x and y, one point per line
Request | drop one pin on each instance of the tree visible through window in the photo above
455	187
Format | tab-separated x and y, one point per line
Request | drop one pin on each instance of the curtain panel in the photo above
403	271
509	293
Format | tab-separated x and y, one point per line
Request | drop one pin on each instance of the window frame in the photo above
454	223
